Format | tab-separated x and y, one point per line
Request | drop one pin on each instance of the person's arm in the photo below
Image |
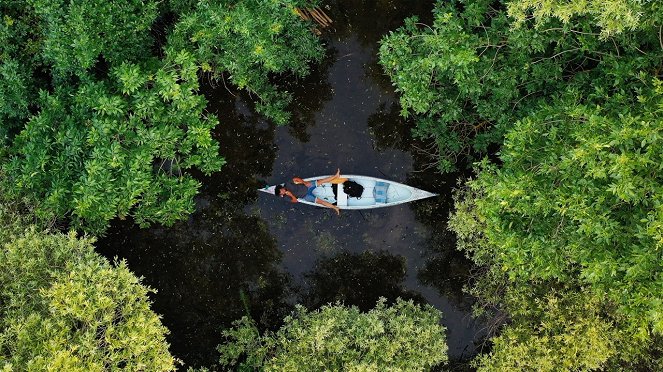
328	205
293	199
299	181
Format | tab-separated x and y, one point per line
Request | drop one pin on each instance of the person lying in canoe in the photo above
300	189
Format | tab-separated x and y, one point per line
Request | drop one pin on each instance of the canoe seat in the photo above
364	201
367	193
380	192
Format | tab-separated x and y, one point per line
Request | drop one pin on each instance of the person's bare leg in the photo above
328	205
338	179
333	179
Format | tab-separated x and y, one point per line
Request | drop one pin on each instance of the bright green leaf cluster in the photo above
76	33
66	308
613	16
401	337
563	332
580	193
577	201
571	214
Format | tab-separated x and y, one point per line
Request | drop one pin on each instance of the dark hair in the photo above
277	190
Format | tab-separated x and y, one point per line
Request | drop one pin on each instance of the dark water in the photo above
243	252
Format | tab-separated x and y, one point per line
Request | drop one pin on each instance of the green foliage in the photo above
470	75
248	41
13	216
13	89
78	33
562	332
579	194
467	226
66	308
613	17
566	229
576	201
100	113
20	43
404	336
118	147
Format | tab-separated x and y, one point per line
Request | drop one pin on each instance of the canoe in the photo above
378	193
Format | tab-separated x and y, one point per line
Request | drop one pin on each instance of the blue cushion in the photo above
380	192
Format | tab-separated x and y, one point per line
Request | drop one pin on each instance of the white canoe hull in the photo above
378	193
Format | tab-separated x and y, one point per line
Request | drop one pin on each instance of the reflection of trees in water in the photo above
389	129
309	95
446	269
368	21
246	142
202	268
372	19
241	128
357	279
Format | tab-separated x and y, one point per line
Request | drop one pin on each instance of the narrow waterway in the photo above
243	252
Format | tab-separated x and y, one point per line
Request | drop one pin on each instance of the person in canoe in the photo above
300	189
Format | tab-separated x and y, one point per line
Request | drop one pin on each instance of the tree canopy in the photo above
471	74
101	117
562	331
564	219
613	17
118	147
64	307
575	205
248	41
101	109
403	336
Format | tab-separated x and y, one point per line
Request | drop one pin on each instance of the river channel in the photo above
248	252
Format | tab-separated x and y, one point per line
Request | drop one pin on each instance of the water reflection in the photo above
247	144
446	269
305	106
389	129
358	279
372	19
201	268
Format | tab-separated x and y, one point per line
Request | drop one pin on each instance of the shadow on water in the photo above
446	269
304	110
359	279
370	20
345	114
201	269
389	129
247	144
